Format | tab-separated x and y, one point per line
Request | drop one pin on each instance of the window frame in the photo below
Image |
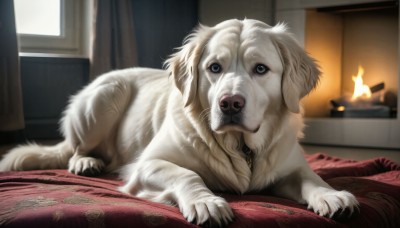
69	41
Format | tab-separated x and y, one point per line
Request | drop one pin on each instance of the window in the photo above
48	26
32	15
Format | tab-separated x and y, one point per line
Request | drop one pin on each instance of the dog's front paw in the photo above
333	204
210	211
86	166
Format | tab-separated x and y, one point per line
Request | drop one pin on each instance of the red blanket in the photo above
56	198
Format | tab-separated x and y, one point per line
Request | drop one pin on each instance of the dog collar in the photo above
249	156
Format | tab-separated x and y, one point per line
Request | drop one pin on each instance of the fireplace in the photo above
356	43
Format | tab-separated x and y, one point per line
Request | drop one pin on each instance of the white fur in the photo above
170	134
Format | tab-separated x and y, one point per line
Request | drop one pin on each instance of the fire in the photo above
360	90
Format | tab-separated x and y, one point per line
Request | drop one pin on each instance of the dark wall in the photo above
47	85
161	26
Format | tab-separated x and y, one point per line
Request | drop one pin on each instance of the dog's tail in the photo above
34	156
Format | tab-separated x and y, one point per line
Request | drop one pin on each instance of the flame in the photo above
341	108
360	90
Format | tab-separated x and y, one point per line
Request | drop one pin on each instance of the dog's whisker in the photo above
203	116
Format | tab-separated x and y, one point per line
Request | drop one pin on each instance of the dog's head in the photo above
241	71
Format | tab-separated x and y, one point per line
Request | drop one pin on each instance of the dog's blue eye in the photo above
215	68
261	69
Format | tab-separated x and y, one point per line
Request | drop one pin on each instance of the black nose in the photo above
231	104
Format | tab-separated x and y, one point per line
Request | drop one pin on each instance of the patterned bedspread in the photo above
56	198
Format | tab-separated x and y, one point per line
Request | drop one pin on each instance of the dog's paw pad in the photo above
86	166
343	215
90	172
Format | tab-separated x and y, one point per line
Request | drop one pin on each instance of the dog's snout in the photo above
231	104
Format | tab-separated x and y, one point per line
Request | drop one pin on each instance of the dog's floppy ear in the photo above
182	65
300	72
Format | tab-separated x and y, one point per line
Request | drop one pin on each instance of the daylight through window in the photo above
38	17
51	26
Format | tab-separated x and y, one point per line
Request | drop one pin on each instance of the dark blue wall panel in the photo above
47	84
160	27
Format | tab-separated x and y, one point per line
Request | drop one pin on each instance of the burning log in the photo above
372	107
377	87
375	99
365	102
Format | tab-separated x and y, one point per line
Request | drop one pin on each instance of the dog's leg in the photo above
90	120
305	186
164	182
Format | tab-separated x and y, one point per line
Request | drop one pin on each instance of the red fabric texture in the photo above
56	198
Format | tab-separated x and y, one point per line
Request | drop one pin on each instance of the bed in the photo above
56	198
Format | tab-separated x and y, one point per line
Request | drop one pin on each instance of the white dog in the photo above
225	116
